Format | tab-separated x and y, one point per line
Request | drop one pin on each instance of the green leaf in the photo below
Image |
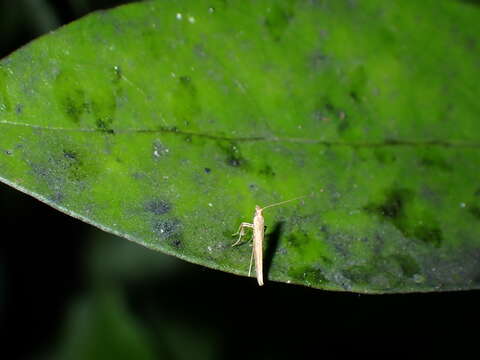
99	326
167	122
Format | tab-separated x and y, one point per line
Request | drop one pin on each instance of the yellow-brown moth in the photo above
258	227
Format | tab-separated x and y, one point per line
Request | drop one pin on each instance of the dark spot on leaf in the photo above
70	155
74	105
8	152
278	19
393	210
435	161
408	264
473	2
176	243
475	211
325	260
325	110
358	82
311	275
104	125
208	170
298	240
383	273
233	155
117	73
429	234
393	206
157	206
19	108
185	80
384	156
358	274
234	161
329	107
166	229
393	142
267	171
353	94
61	168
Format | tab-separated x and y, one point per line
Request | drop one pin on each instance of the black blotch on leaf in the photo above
70	155
310	275
393	211
384	156
234	161
176	243
473	2
278	19
354	96
329	107
185	80
431	235
475	211
19	108
267	171
233	155
157	206
359	274
117	74
104	125
408	264
435	162
72	163
74	107
325	260
325	110
393	206
208	170
166	229
298	240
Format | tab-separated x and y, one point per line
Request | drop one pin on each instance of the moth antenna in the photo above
284	202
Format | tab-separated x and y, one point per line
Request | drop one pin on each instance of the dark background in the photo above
70	291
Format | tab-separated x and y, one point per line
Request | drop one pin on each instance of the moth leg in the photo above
251	262
241	231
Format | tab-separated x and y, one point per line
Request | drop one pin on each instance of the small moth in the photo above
258	227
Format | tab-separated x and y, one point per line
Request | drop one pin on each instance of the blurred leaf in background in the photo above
100	325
